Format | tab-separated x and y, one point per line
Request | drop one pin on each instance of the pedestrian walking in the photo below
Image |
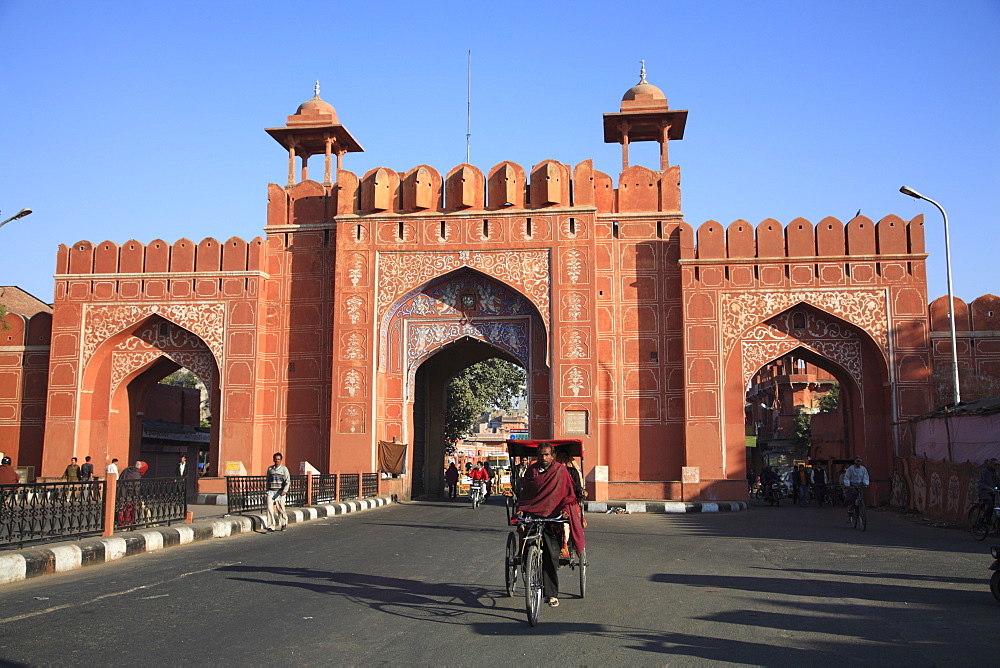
182	467
111	468
278	482
87	470
451	479
72	472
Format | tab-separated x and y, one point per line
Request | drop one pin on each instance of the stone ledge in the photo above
666	506
19	565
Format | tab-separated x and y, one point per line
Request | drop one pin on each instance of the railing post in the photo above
309	488
337	495
110	500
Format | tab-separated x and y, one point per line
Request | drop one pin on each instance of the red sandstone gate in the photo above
341	327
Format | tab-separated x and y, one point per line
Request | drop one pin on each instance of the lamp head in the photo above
907	190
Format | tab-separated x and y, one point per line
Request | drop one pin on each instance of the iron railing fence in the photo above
46	511
244	493
369	485
324	488
349	486
247	493
145	502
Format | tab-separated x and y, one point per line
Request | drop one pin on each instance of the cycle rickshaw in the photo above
523	558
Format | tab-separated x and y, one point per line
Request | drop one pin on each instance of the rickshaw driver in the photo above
547	492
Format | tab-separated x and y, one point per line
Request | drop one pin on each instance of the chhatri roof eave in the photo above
312	136
645	124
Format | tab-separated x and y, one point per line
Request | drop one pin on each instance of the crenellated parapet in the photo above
22	330
830	238
158	257
465	188
978	316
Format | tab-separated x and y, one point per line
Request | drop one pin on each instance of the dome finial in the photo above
642	72
316	88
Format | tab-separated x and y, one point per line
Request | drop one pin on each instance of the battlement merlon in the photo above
465	189
233	257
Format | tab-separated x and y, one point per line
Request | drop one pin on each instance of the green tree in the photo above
182	378
830	401
3	316
492	384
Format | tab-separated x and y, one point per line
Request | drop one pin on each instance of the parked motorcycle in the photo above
995	579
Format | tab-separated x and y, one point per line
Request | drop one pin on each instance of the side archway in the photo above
826	341
118	380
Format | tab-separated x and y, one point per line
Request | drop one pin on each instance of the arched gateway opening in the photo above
441	328
430	407
788	364
123	398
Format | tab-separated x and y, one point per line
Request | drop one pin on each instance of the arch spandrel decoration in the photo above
827	338
526	270
438	303
424	339
102	321
124	363
151	342
865	309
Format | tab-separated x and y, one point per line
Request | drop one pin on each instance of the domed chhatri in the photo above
317	108
643	95
314	129
644	116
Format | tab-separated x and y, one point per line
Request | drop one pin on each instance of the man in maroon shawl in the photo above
547	491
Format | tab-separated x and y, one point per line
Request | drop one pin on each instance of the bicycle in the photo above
981	521
524	561
858	511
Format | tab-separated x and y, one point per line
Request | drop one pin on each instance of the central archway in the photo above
430	407
436	331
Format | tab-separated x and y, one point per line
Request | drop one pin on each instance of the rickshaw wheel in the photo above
511	564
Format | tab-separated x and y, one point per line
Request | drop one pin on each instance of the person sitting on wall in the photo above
8	476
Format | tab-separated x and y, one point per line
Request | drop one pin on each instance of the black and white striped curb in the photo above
21	565
664	506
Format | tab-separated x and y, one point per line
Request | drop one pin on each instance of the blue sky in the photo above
145	120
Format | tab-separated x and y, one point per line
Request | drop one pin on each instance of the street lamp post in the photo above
907	190
20	214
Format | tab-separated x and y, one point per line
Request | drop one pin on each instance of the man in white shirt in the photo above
112	467
855	481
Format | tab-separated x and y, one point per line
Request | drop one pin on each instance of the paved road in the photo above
421	583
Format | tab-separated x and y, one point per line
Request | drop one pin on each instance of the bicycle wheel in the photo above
980	524
863	517
510	569
510	508
582	555
995	585
532	583
854	517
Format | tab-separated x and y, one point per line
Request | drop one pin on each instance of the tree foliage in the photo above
181	378
830	401
3	318
492	384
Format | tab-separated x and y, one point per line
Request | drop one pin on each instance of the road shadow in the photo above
428	601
